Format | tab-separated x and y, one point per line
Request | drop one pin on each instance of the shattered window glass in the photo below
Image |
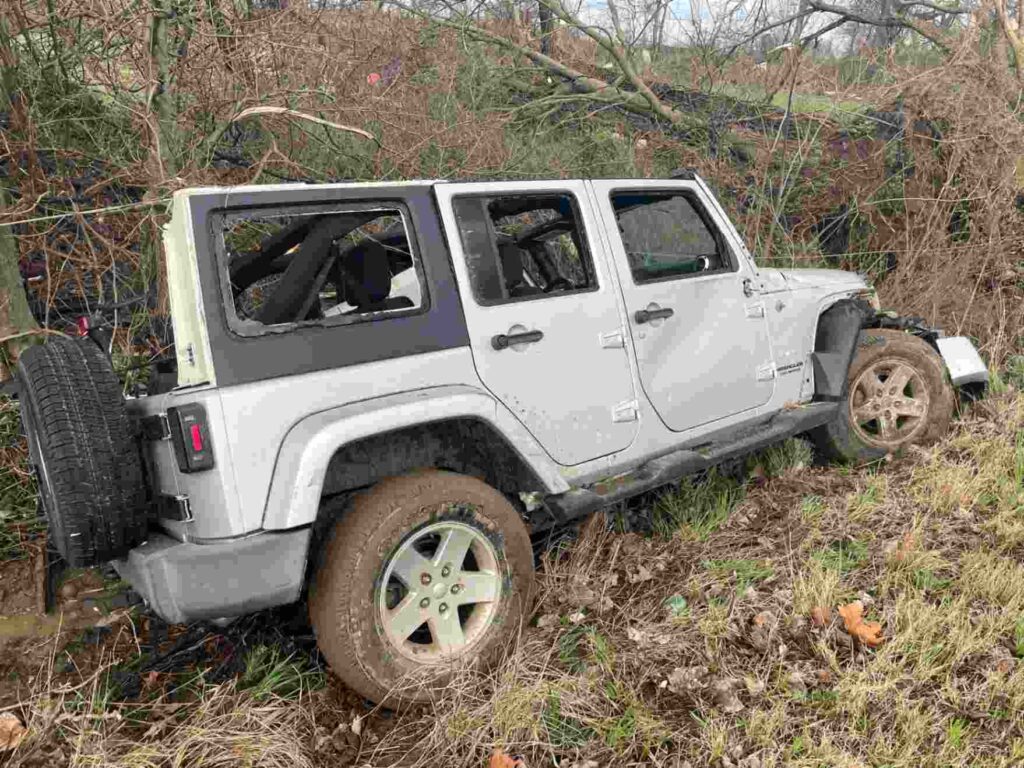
665	235
287	268
522	246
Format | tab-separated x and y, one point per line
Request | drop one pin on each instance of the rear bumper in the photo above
182	581
963	362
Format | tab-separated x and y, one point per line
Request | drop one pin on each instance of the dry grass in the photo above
714	649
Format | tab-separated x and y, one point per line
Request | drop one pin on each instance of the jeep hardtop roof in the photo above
682	175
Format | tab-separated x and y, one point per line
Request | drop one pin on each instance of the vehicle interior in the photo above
666	235
522	246
307	268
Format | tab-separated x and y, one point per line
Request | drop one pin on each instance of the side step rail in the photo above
674	466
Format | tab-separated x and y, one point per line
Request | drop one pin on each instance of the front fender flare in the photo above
835	344
306	451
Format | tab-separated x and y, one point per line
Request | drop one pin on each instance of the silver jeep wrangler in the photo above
383	390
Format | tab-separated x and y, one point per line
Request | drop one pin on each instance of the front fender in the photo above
306	451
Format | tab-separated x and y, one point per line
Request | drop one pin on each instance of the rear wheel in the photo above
897	395
83	451
422	575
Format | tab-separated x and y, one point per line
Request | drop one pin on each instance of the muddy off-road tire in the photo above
423	575
897	395
83	451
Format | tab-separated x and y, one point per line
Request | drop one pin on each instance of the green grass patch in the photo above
564	732
582	644
802	103
790	454
269	673
746	572
843	556
862	506
812	507
927	579
697	507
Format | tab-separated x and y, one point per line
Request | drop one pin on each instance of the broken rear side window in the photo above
288	268
519	247
667	235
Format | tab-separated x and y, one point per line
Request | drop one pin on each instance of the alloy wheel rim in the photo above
440	592
888	403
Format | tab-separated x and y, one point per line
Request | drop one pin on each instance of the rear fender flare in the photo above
306	451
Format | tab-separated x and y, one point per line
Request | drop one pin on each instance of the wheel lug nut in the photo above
425	602
424	578
446	571
455	589
443	607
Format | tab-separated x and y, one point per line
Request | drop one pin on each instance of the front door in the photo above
545	323
697	324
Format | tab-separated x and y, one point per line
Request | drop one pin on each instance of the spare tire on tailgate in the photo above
83	449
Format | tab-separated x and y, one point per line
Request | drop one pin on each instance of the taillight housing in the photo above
190	435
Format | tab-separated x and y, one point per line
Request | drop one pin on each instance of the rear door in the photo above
696	320
545	324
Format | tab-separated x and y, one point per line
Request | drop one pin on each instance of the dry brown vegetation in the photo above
932	203
721	645
719	641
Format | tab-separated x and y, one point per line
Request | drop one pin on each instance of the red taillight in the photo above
197	438
83	325
190	434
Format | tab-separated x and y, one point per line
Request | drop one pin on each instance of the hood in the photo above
822	278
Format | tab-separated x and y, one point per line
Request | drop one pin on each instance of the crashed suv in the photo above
382	391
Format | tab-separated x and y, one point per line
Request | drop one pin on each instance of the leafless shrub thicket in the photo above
118	107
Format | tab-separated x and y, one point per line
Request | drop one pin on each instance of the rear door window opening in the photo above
519	247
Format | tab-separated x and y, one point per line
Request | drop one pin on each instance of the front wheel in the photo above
897	395
422	574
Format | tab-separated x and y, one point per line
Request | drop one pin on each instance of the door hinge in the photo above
766	372
156	427
176	507
755	310
628	411
612	340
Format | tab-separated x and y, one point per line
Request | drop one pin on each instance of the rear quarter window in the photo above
289	268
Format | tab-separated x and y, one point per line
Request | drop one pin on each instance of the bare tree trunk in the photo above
659	27
616	20
16	318
162	121
547	27
801	21
1012	36
163	154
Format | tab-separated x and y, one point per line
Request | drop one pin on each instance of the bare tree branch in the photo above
775	25
906	5
643	100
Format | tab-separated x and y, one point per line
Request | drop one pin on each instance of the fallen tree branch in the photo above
642	101
302	116
605	41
